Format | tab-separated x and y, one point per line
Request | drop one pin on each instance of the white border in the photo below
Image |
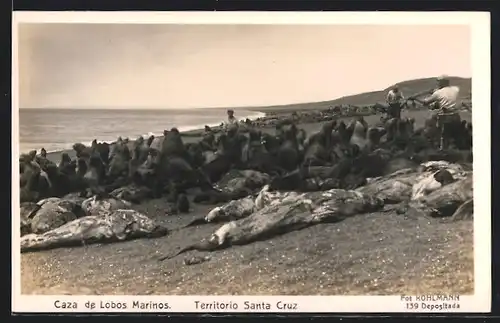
480	40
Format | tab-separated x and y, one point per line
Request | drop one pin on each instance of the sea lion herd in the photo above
339	160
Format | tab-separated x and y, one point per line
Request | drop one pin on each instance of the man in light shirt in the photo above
231	119
444	100
395	100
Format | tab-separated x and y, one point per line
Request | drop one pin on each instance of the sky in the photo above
195	66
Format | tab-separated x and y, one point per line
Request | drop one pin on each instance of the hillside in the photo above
408	87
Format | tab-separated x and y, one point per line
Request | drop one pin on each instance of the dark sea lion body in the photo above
119	161
318	147
183	203
288	157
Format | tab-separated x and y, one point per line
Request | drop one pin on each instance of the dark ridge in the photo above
407	87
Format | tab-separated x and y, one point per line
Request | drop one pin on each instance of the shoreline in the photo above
189	132
264	118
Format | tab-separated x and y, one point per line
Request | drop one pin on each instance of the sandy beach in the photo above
382	253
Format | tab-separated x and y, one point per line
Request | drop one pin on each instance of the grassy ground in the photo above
378	254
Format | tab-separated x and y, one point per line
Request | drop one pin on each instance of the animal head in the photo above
79	147
289	131
444	177
65	158
374	134
150	140
32	155
327	127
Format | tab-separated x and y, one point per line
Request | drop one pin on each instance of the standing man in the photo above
395	100
231	119
444	100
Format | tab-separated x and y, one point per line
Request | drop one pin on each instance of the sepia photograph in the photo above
250	159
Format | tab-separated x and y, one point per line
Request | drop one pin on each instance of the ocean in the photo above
59	129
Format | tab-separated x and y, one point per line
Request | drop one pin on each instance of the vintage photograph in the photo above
245	159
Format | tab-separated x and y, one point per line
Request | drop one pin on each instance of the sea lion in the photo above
391	127
233	210
81	167
464	212
173	164
288	157
94	175
207	142
29	183
132	193
358	136
66	166
119	225
456	192
343	132
233	146
60	183
144	174
374	134
139	161
150	140
220	162
411	183
32	155
318	146
431	183
27	212
99	206
52	213
157	143
119	161
236	181
182	203
445	201
82	151
172	144
293	214
271	143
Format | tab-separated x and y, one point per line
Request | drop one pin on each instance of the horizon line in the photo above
96	107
